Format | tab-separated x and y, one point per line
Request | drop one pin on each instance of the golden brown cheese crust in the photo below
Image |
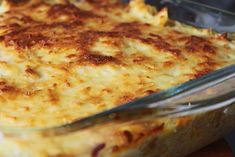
64	60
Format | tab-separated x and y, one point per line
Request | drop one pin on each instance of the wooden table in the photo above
217	149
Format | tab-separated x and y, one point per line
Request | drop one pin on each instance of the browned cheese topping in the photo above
64	60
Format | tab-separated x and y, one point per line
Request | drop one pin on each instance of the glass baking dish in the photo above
174	122
199	15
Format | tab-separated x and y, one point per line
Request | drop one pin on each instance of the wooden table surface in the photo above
217	149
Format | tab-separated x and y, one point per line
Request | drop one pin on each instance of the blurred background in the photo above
222	4
228	5
199	16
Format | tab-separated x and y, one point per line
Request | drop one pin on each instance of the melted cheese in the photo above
62	61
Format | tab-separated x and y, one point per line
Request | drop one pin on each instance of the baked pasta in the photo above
63	60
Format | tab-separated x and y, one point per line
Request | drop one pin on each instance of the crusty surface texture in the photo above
65	60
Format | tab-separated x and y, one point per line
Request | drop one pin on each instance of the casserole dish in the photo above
61	75
190	116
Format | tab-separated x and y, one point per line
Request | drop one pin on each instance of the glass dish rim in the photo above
212	8
197	7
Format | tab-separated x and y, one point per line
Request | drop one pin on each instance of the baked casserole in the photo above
64	60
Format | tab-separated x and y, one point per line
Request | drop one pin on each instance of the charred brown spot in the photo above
12	26
115	148
140	59
168	64
66	25
156	36
87	90
132	28
17	2
25	41
102	4
160	44
174	51
2	83
158	128
95	59
149	92
208	64
125	98
70	10
72	56
31	71
208	48
95	152
53	96
202	72
198	44
7	88
119	32
194	40
27	19
42	34
29	93
128	136
85	40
